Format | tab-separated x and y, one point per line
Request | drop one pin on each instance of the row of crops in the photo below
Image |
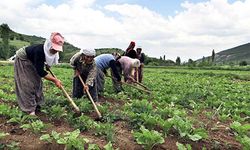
199	109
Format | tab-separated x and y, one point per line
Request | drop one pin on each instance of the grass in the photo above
17	43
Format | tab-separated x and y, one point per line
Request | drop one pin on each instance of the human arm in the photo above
112	65
74	59
91	75
53	79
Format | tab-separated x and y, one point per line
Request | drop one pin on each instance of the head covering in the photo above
116	55
88	52
48	44
57	41
131	46
135	62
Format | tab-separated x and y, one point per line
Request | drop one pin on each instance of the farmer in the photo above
139	72
130	52
127	65
84	65
104	62
29	70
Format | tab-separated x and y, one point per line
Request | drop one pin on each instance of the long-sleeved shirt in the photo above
141	57
87	70
35	54
106	61
126	64
131	53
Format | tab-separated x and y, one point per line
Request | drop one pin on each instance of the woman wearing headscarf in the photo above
130	52
84	65
29	71
127	66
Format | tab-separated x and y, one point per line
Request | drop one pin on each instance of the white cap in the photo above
88	52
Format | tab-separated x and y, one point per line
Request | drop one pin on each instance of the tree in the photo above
243	63
5	32
191	63
164	57
213	56
203	59
178	61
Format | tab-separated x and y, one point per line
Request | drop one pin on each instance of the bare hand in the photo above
131	79
77	73
58	83
86	87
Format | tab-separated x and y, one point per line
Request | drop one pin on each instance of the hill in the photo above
18	40
236	54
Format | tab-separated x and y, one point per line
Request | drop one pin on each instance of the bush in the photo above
243	63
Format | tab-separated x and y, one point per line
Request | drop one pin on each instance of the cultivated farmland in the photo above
187	109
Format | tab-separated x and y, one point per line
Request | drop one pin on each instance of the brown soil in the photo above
219	137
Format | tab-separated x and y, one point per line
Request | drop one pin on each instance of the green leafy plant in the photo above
106	129
245	141
242	134
109	146
83	123
85	106
13	145
113	116
55	112
93	147
181	146
22	119
2	134
240	129
36	126
148	138
71	140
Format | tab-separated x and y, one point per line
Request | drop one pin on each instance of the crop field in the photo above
186	109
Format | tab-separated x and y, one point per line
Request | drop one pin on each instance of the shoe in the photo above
98	103
38	108
32	113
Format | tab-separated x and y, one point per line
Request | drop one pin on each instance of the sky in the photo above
175	28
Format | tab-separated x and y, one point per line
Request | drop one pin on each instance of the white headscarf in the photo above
51	59
135	62
88	52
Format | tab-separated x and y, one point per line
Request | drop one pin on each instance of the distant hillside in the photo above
18	40
236	54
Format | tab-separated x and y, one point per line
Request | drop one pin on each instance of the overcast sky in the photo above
188	29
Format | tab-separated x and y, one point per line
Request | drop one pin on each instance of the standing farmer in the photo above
130	52
141	57
29	70
84	65
104	62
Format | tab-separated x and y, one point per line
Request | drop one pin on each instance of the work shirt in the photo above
106	61
87	70
35	54
126	64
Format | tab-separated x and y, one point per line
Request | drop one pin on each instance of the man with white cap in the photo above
84	65
29	70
